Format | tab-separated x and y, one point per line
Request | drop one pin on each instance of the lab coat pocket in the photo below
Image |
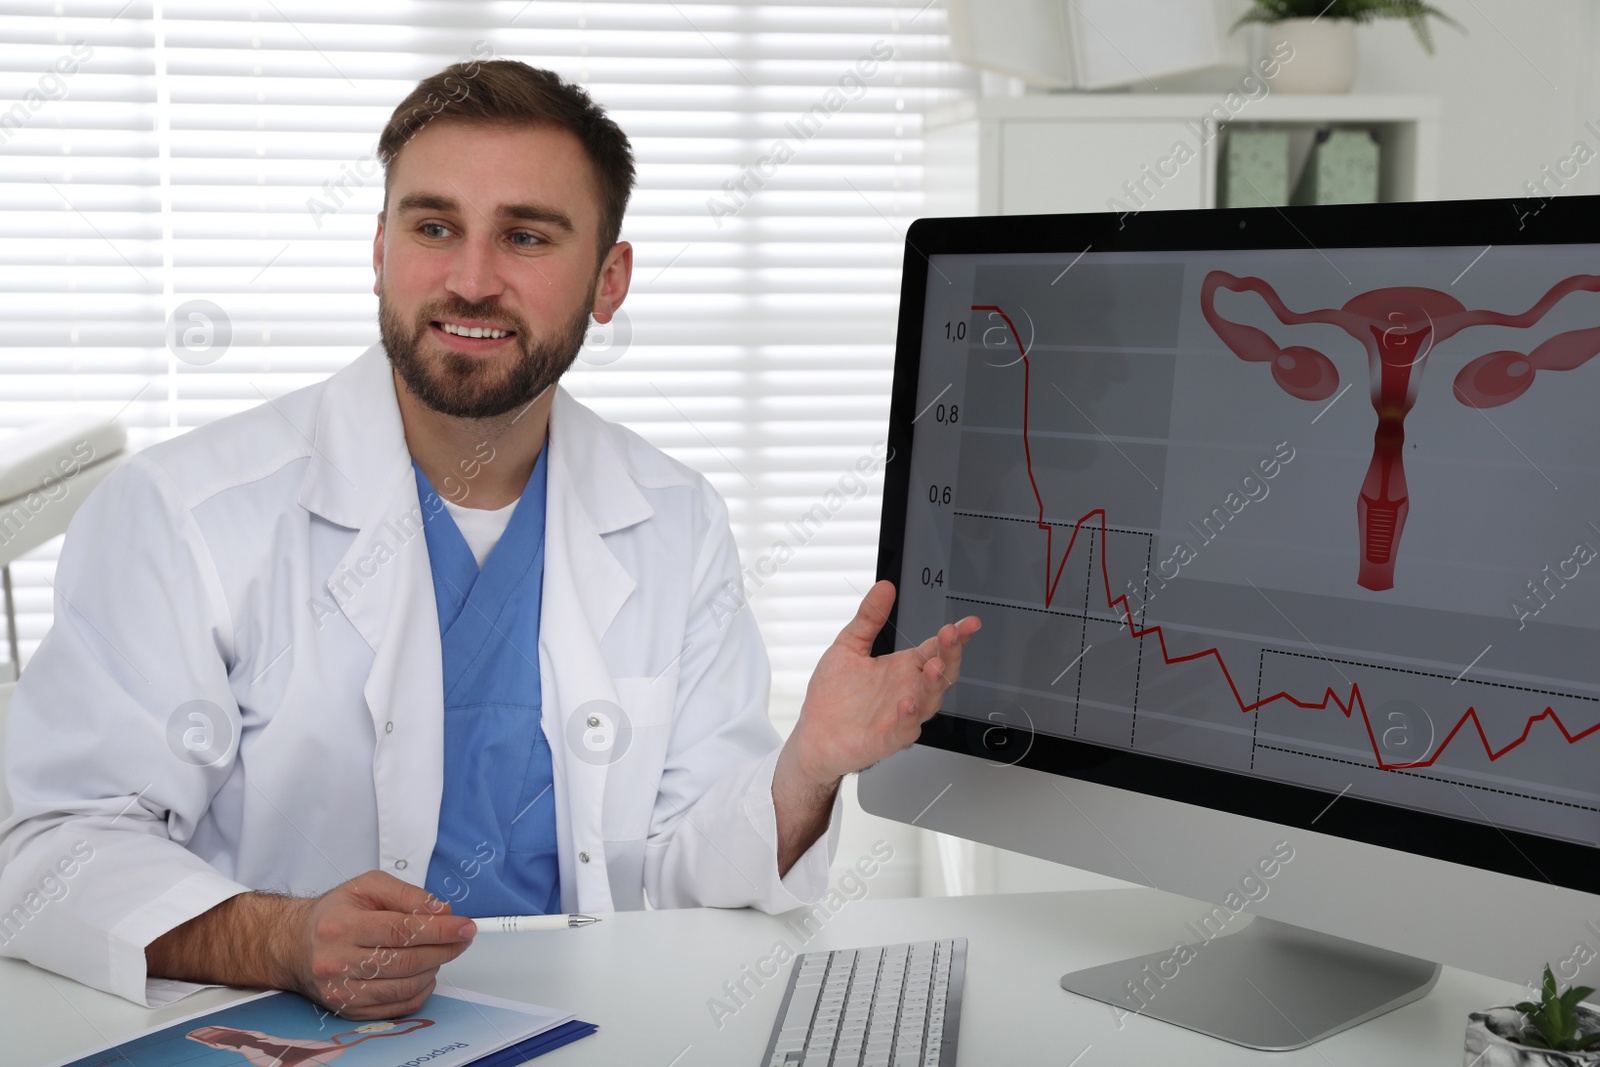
637	753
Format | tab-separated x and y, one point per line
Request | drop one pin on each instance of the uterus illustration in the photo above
1400	329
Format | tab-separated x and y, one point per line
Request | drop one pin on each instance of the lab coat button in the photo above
583	857
399	865
594	720
388	727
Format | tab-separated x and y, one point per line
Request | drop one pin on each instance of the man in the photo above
283	661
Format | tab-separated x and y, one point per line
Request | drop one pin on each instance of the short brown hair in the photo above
509	92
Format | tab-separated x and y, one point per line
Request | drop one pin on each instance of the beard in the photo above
469	387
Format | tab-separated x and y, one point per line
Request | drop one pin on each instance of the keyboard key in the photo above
800	1008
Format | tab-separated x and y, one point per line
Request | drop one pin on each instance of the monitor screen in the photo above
1296	515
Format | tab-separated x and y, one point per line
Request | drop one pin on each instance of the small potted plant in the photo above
1558	1031
1320	36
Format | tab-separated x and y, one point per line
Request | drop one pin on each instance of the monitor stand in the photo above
1270	986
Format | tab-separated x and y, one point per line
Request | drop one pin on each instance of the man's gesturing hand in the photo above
859	709
371	948
367	949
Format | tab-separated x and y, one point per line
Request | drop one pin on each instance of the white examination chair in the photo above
46	471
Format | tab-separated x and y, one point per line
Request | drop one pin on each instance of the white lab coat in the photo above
273	564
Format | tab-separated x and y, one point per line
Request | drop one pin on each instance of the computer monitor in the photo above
1284	528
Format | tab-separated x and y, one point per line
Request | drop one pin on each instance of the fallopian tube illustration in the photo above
1399	328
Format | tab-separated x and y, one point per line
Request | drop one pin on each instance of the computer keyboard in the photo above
887	1006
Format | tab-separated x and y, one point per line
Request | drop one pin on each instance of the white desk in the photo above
645	978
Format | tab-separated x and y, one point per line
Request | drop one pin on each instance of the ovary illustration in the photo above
1399	328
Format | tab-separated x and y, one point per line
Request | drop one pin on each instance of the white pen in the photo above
524	924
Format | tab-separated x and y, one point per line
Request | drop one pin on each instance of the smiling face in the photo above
487	264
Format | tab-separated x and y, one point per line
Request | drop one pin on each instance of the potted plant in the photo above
1315	40
1558	1031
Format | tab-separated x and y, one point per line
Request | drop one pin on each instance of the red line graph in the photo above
1120	604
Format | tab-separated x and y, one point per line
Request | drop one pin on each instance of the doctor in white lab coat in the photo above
241	695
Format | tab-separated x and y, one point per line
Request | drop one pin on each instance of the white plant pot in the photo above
1323	56
1490	1044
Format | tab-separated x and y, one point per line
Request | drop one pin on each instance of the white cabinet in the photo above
1061	166
1048	153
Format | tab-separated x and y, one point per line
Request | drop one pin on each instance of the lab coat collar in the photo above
598	475
359	448
359	445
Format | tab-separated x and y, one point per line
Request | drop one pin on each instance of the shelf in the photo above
1275	107
1082	152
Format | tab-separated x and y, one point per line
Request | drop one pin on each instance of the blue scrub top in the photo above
496	849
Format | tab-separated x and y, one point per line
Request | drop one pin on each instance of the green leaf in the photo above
1546	1026
1573	996
1550	992
1584	1043
1560	1025
1527	1007
1415	12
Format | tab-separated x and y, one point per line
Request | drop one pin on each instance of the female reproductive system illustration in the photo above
1399	327
267	1050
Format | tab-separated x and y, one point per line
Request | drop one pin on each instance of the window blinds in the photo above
164	158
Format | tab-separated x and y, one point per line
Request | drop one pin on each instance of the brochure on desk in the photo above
286	1030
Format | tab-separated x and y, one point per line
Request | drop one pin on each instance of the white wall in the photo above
1516	88
1516	84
